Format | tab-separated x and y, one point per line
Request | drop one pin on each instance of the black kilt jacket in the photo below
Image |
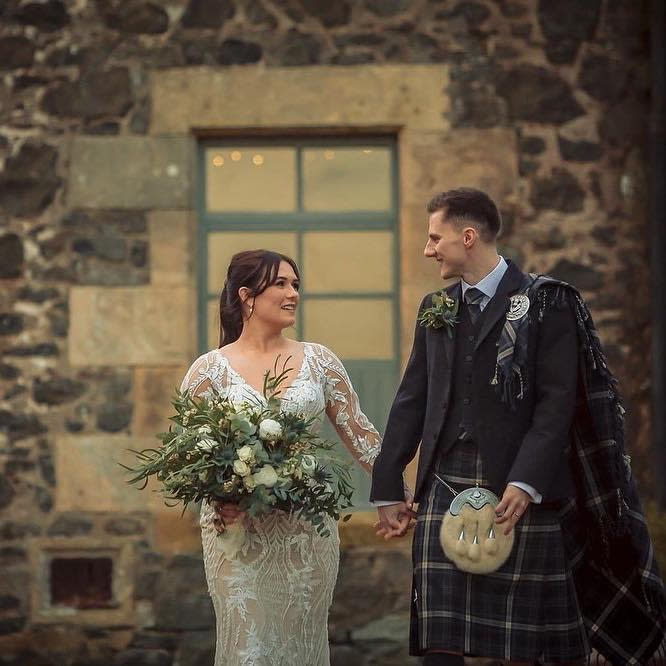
527	444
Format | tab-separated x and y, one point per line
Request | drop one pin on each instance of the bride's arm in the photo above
198	381
344	410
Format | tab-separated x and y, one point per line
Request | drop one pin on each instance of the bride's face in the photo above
277	304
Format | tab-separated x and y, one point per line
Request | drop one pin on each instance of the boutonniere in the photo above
442	313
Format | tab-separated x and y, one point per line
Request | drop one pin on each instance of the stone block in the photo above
197	649
130	172
176	534
372	583
153	390
256	96
90	478
171	247
437	161
182	602
29	180
131	326
392	628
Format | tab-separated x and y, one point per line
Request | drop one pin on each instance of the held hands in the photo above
396	519
225	515
513	505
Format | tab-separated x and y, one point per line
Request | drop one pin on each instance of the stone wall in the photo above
544	104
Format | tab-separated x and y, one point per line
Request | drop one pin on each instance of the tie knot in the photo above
473	296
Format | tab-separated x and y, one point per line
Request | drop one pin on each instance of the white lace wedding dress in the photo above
271	601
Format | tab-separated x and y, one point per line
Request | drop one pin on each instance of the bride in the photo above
272	599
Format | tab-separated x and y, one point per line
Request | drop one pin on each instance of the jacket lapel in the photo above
449	341
443	347
499	303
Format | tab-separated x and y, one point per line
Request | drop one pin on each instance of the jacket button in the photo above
470	338
468	358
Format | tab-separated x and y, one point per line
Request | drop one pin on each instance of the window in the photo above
331	204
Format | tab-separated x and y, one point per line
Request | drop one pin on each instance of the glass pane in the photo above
339	179
247	178
222	245
348	261
353	328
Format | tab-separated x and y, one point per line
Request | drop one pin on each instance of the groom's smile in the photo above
445	245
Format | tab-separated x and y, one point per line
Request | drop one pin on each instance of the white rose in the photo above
308	464
266	476
249	482
241	468
245	453
270	430
204	430
206	444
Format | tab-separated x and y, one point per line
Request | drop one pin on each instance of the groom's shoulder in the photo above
551	286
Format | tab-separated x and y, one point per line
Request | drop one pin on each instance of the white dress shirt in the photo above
488	287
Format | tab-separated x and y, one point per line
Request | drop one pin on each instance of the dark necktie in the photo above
473	298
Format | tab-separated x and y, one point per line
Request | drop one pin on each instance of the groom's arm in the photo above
405	423
542	449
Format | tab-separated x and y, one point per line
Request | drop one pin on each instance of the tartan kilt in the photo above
526	610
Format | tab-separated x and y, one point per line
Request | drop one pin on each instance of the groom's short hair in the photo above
469	205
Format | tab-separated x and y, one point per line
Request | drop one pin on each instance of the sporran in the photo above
468	534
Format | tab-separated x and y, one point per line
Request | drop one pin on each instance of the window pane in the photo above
247	178
223	245
339	179
348	261
353	328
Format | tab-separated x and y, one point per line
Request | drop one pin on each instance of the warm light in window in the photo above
367	151
236	155
258	160
218	161
329	154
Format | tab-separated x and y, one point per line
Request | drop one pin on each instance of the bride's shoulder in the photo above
207	359
320	352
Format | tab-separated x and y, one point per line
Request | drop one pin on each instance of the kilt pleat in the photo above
526	610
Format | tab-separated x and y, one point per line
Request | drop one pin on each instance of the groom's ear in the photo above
470	237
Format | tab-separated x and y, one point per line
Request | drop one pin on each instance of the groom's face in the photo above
445	245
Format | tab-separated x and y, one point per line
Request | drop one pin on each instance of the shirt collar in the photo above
488	285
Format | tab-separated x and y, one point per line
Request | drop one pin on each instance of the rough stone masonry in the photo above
566	81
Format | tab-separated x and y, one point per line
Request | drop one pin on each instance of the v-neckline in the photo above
257	391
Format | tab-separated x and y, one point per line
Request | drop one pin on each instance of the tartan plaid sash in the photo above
625	614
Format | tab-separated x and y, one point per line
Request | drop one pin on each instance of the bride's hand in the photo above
225	514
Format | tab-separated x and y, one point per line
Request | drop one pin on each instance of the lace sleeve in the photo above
207	371
344	410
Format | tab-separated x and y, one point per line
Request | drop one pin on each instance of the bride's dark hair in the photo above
255	269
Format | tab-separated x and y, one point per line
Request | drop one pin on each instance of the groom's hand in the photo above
513	505
394	519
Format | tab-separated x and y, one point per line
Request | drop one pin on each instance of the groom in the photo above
489	394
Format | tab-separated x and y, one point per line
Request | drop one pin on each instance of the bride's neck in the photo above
261	340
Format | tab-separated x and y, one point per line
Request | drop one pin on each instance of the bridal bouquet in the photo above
251	454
